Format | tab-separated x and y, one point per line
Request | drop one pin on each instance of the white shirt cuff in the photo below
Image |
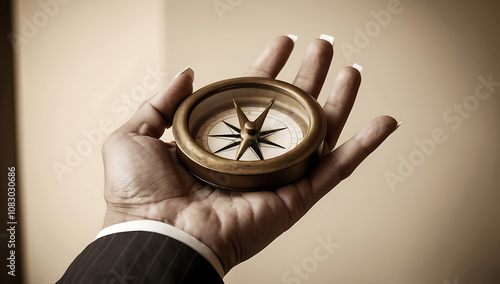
169	231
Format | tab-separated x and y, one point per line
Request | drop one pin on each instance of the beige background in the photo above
84	66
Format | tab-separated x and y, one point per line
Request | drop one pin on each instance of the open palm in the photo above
145	180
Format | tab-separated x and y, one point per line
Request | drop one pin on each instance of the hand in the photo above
144	179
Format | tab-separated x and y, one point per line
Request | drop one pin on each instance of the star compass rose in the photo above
248	135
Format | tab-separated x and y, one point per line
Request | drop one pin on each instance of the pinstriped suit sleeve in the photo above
140	257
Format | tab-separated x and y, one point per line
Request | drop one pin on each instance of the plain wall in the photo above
415	211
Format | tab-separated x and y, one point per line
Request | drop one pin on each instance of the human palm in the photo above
145	180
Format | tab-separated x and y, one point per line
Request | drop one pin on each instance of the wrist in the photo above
113	217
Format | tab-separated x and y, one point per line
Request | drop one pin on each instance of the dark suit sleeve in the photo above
139	257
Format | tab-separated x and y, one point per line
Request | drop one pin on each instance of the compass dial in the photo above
221	135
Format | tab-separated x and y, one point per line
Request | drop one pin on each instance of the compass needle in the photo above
225	136
234	144
269	132
245	143
230	126
256	149
265	141
260	120
242	118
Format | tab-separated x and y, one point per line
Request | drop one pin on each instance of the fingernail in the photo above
328	38
398	125
187	71
293	37
357	66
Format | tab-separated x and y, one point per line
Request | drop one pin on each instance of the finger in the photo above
314	68
156	114
340	163
339	104
270	62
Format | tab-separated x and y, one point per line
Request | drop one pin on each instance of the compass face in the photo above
249	133
221	135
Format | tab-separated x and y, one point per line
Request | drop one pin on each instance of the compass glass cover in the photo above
215	126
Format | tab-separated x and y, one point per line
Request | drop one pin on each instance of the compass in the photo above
249	133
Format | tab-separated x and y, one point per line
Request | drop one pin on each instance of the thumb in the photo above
156	114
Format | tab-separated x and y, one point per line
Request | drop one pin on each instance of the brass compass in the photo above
249	133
